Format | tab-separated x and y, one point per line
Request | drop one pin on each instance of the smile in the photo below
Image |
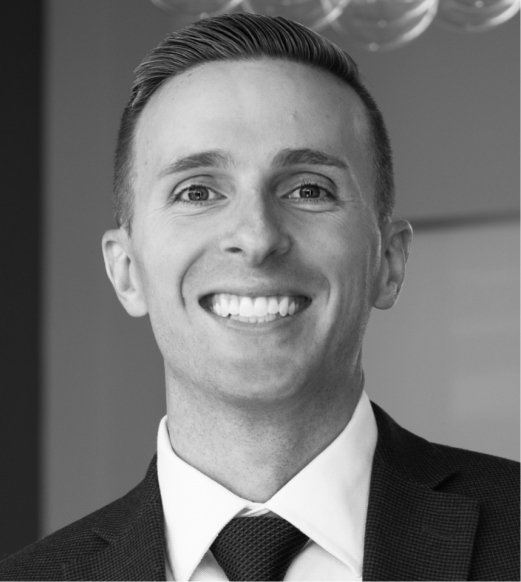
260	309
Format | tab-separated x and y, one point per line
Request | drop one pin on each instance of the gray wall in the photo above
444	362
451	102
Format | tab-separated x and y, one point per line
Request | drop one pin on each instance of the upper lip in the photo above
258	291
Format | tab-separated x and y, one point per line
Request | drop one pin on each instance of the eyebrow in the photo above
208	159
285	158
306	156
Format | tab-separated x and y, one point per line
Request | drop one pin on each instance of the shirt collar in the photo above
327	499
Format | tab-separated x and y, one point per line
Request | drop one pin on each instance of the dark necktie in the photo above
257	548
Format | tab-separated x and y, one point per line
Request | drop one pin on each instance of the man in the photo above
254	196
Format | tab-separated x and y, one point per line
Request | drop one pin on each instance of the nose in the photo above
255	232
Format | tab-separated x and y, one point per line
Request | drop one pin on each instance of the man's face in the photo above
255	242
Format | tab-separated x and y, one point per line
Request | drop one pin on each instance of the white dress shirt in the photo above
327	500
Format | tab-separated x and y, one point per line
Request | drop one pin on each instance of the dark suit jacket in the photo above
435	513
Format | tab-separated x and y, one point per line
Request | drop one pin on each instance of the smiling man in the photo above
254	204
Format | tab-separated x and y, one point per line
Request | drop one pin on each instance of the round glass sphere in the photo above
312	13
197	8
475	15
379	25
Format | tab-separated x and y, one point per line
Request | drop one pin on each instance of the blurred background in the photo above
83	388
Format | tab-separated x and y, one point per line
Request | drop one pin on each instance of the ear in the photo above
396	242
122	271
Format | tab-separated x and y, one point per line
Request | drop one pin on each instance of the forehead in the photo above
253	109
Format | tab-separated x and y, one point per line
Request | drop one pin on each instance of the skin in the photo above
251	404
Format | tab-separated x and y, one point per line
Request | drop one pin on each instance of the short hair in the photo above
241	37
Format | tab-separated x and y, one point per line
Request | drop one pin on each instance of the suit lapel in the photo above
414	531
133	530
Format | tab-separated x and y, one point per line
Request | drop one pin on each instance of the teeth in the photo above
255	309
284	306
273	306
254	319
225	306
234	305
246	307
260	307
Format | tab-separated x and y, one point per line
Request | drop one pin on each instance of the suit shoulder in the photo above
443	466
483	474
43	560
494	483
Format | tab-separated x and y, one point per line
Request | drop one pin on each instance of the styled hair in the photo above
240	37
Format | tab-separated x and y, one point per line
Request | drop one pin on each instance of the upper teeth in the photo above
224	304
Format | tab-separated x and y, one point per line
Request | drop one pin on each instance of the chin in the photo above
250	385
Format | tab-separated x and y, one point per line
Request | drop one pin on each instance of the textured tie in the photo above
257	548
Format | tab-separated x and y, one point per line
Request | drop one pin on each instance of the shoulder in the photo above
459	476
460	471
43	559
46	558
483	475
494	483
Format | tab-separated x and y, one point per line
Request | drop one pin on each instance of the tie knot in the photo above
257	548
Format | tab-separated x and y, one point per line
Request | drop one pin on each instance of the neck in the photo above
255	449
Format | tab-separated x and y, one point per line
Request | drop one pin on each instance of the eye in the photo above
309	191
195	194
312	192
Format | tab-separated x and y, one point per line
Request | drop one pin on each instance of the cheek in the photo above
350	260
176	259
161	267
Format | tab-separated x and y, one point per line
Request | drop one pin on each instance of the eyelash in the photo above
329	196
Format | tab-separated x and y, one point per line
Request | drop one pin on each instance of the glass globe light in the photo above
197	8
312	13
378	25
475	15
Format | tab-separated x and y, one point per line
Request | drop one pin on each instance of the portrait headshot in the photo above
276	407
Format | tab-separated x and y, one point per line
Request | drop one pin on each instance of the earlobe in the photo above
397	237
122	272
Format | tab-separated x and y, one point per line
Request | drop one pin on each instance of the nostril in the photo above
234	250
